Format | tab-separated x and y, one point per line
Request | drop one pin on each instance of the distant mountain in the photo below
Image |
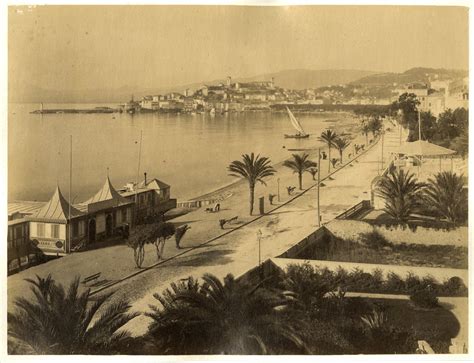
291	79
304	78
412	75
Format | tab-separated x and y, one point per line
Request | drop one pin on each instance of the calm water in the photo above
189	152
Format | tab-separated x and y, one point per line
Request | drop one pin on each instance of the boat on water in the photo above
301	134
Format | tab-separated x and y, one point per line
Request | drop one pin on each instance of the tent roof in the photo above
424	148
57	209
107	193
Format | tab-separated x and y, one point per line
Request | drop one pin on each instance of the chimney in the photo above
145	179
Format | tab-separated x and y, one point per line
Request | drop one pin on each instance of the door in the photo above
108	225
92	230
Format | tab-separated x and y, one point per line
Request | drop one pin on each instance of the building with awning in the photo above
421	152
422	148
107	212
49	226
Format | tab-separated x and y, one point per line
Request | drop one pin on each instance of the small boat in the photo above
296	124
213	111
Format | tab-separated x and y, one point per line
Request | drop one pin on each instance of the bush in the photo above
394	283
425	298
374	240
453	287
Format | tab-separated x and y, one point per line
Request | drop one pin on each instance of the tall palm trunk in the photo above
300	179
252	192
340	153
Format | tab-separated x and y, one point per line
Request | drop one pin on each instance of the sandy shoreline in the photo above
349	126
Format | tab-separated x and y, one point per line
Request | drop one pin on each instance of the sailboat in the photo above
296	124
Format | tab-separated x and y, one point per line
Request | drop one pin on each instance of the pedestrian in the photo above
270	198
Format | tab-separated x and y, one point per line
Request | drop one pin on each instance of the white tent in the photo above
424	149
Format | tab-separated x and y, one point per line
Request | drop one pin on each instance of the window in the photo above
55	230
40	229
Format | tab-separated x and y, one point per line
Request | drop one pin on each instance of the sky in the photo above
87	47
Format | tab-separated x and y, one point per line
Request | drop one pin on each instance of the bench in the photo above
91	278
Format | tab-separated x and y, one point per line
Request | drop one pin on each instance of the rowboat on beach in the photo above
296	124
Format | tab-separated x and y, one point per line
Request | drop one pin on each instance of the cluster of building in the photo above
57	228
435	96
439	95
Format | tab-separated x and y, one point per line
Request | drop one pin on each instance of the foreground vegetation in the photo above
300	311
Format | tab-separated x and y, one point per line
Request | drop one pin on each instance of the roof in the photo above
107	194
56	209
23	207
154	184
424	148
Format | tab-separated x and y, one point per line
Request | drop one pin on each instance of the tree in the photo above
328	136
162	232
341	144
313	172
299	165
401	192
222	318
375	125
141	235
253	169
179	234
446	194
365	130
60	321
408	103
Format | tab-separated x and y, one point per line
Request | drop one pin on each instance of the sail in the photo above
295	123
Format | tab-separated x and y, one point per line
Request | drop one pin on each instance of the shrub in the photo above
374	240
425	298
394	283
454	286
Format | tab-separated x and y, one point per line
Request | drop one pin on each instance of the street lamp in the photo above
278	183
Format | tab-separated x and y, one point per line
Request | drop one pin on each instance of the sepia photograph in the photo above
236	179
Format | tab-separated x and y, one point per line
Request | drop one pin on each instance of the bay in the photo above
189	152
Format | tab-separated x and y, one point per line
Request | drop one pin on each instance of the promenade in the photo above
235	252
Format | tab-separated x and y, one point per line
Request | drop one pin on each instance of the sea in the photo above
189	152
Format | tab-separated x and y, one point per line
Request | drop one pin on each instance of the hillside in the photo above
412	75
292	79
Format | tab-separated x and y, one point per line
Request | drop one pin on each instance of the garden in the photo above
374	248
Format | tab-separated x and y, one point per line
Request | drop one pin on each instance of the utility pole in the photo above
138	173
319	182
259	238
68	245
383	132
419	125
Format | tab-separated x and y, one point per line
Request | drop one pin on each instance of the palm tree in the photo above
365	130
446	194
60	321
299	165
328	136
401	192
222	318
341	144
313	172
253	169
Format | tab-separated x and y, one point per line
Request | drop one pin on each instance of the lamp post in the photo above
278	186
259	239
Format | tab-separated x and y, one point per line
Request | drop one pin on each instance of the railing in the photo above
364	205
